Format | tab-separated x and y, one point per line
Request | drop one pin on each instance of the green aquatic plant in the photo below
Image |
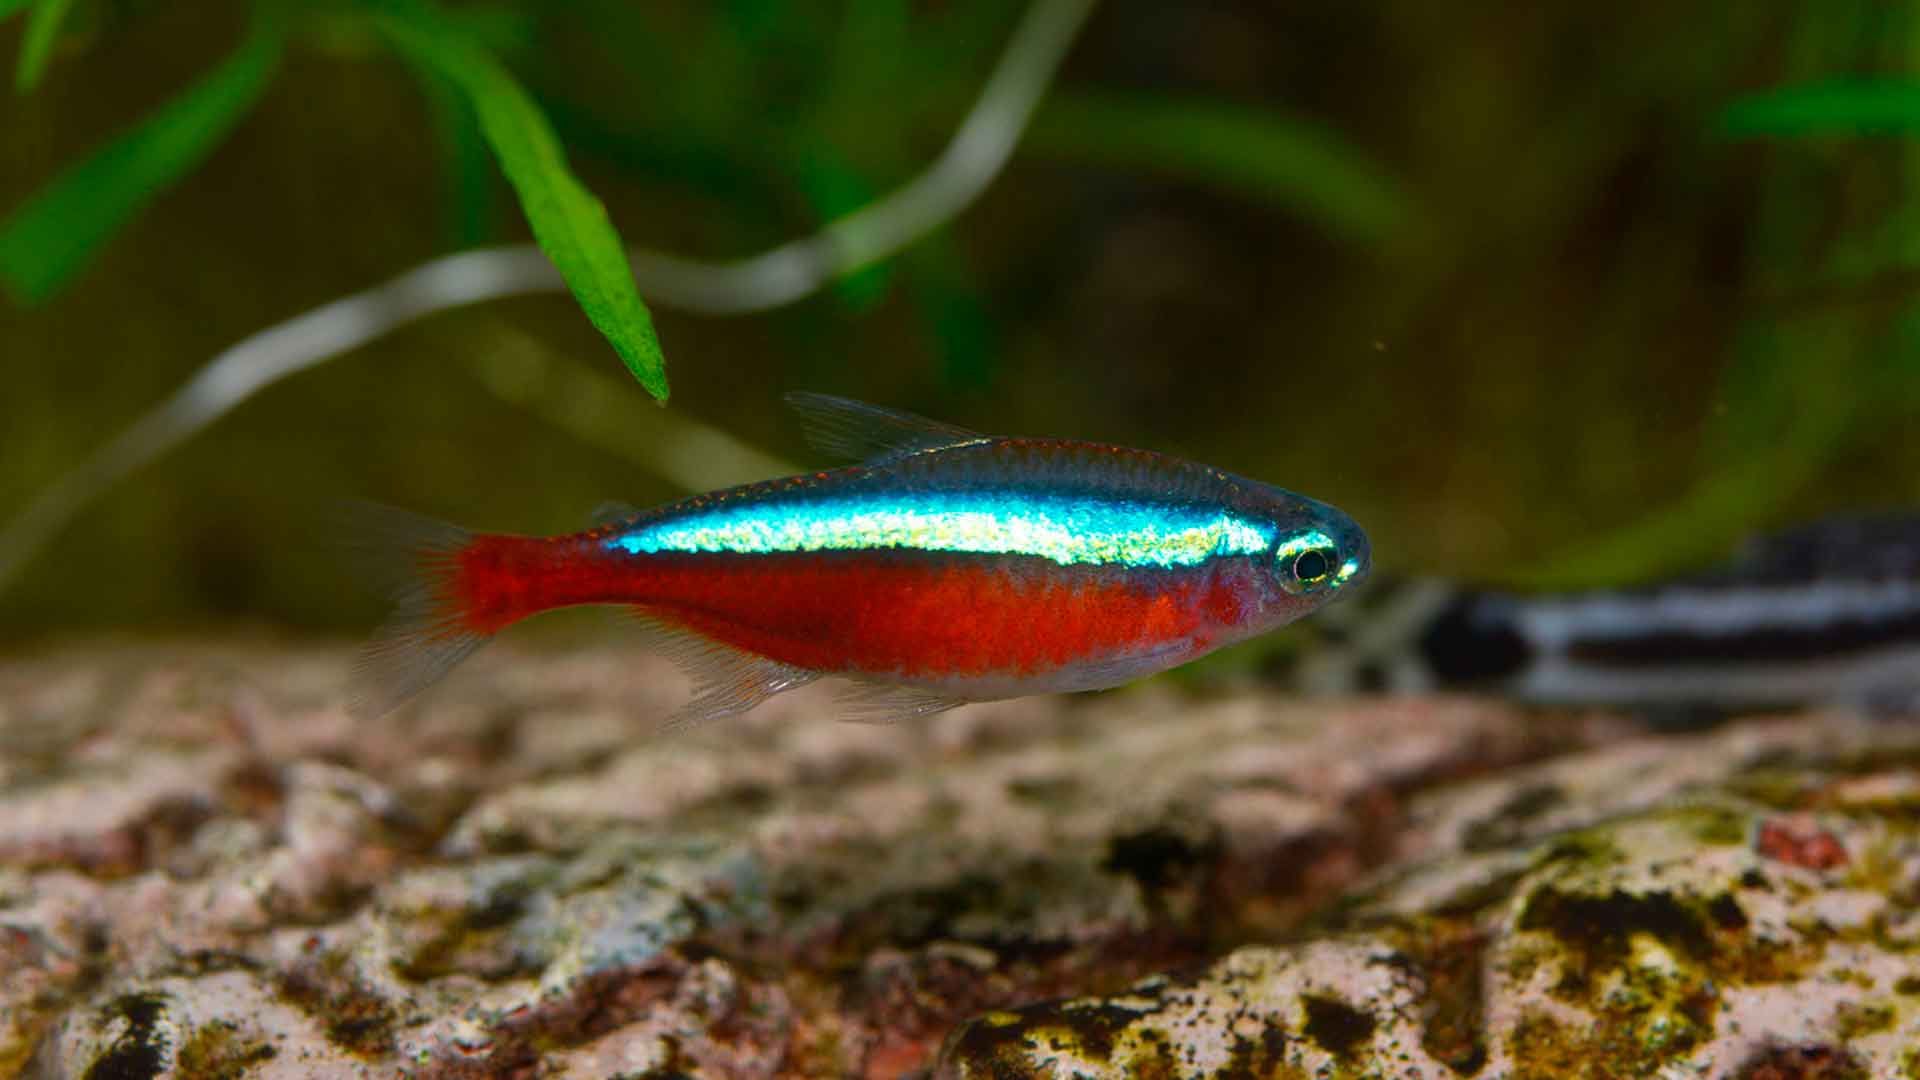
42	26
1834	256
1838	108
568	222
44	243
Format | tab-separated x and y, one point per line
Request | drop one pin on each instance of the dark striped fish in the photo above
1827	613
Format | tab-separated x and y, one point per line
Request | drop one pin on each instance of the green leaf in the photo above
570	225
51	236
1250	151
1833	108
10	8
43	27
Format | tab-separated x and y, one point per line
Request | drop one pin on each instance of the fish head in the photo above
1318	553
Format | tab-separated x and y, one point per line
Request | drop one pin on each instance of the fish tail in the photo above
442	612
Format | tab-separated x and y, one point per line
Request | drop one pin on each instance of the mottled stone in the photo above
1637	923
217	1025
207	867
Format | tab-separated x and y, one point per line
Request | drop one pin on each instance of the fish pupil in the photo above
1311	565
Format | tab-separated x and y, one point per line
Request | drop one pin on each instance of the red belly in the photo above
921	617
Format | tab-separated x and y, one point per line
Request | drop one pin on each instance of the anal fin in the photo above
726	681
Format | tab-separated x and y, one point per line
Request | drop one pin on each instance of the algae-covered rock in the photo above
207	868
1652	918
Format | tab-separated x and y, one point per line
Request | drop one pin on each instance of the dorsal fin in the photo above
613	512
853	430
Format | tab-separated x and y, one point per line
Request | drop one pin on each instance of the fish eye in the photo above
1312	565
1308	562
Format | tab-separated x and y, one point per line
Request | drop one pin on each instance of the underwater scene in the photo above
959	539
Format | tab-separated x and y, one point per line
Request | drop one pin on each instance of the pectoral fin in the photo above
883	703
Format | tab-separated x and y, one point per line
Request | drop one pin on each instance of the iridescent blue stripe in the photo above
1066	530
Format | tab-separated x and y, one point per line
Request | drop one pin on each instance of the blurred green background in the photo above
1545	295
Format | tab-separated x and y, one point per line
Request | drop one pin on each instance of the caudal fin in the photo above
417	560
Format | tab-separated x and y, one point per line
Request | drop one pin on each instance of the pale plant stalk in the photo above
976	154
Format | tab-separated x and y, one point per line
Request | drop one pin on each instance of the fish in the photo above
1822	614
943	567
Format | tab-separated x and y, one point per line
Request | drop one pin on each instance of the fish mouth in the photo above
1352	572
1359	553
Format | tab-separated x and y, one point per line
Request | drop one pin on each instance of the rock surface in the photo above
207	868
